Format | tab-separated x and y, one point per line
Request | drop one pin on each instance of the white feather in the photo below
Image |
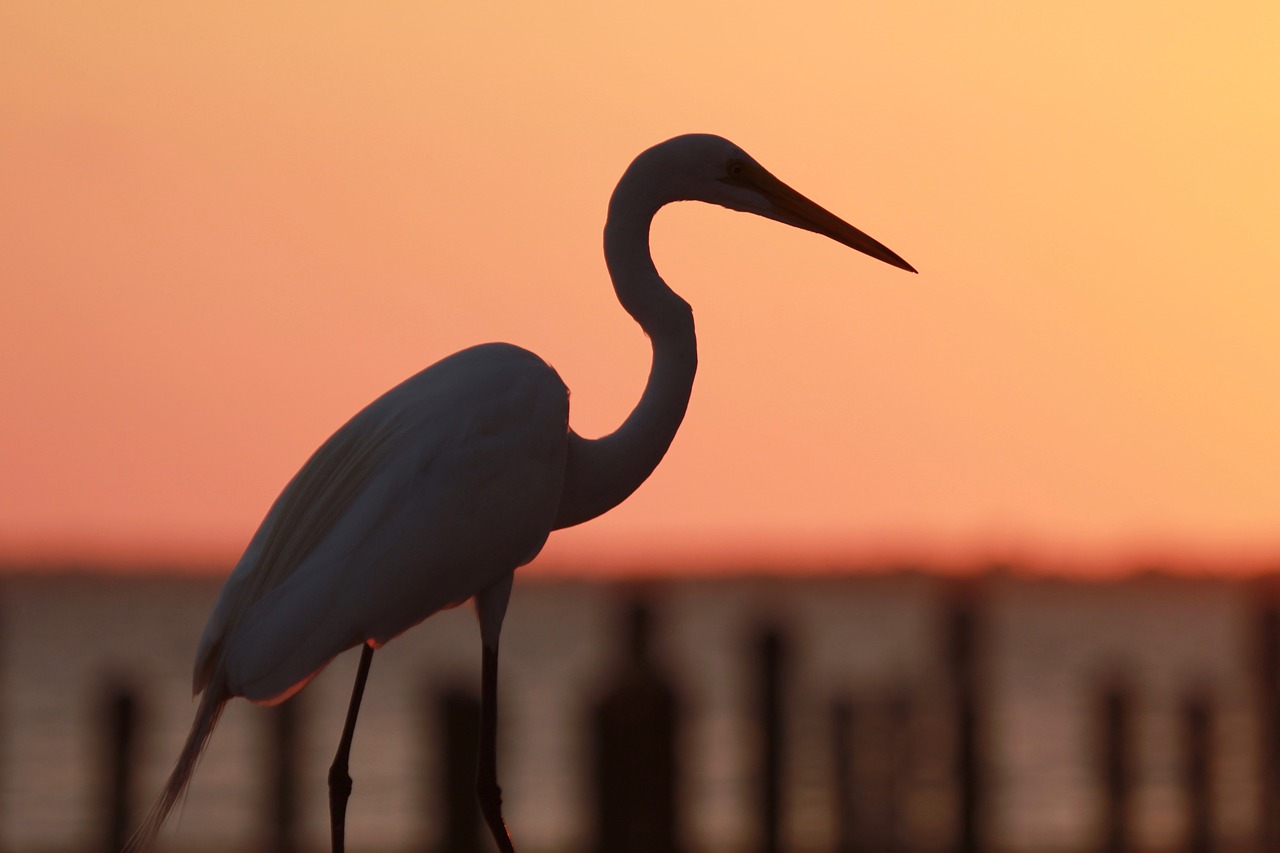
373	535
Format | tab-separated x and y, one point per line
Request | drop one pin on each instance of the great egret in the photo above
442	487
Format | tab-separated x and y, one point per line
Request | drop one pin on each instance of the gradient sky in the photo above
226	227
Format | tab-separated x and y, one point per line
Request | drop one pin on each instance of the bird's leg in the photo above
491	607
487	789
339	777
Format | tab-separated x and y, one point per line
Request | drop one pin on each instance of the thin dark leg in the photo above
339	778
487	789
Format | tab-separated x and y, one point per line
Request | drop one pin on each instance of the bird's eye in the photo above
737	168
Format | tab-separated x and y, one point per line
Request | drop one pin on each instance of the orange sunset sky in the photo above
226	227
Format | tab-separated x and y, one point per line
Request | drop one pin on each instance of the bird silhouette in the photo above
438	490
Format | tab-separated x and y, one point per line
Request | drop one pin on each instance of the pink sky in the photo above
227	228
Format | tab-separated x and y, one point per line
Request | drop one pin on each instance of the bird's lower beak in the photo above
794	209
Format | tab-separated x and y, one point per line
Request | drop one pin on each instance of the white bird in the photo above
439	489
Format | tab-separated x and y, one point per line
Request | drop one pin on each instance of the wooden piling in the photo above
635	770
844	720
458	742
963	657
770	714
119	734
899	710
1267	665
1197	733
282	723
1116	764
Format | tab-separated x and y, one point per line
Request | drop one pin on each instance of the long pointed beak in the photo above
794	209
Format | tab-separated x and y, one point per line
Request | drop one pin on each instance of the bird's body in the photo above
376	532
439	489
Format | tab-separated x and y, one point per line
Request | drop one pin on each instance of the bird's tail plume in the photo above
207	713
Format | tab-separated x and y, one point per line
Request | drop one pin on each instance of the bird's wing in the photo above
322	490
433	492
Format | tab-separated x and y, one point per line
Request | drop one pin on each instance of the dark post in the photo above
843	722
770	709
282	773
459	738
1117	764
1268	692
897	744
963	657
1197	727
635	726
121	724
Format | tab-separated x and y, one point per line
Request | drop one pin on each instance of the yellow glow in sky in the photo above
226	228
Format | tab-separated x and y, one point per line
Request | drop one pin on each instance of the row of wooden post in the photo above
636	772
1118	736
1119	769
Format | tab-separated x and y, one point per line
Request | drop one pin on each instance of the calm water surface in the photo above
1049	643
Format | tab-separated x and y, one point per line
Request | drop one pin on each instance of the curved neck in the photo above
603	472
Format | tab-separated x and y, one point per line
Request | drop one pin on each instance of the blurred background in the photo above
869	711
224	229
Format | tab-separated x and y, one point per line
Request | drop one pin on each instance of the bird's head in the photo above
709	168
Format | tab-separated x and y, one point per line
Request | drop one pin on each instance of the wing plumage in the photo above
301	516
431	493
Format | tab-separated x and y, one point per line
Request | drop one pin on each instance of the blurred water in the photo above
1049	643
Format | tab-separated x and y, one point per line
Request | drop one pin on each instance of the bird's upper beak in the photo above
792	208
